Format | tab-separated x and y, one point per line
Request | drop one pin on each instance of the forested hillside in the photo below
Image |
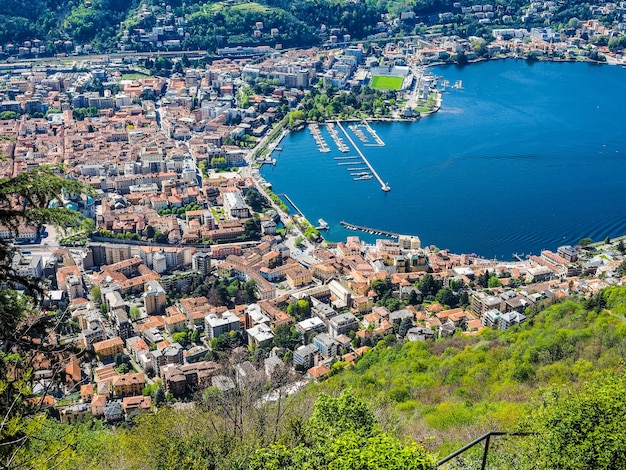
111	25
560	370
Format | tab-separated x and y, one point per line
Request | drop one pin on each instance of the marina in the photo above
359	133
423	154
372	132
341	145
384	186
322	146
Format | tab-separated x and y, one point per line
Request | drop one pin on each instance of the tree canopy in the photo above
25	200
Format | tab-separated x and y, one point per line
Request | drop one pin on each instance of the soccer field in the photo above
390	83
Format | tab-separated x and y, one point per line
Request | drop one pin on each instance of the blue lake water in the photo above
524	157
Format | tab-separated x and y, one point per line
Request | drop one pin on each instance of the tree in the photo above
286	336
135	313
252	228
582	428
428	285
300	309
404	327
446	296
414	298
620	247
181	338
25	200
494	282
299	242
343	433
96	294
255	200
150	231
585	242
160	237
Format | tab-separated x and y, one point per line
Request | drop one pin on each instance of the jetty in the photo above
300	213
378	140
384	186
323	225
353	157
373	231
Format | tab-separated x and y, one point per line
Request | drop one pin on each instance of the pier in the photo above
322	146
335	136
384	186
379	141
300	213
374	231
353	157
359	133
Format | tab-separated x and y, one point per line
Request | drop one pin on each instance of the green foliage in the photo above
81	113
299	309
359	102
286	336
299	242
252	228
135	313
482	382
8	115
25	199
585	241
582	428
228	340
494	282
343	434
278	201
255	200
181	337
96	294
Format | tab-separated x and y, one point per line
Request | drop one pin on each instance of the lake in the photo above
524	157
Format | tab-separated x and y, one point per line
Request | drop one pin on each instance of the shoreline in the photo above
503	253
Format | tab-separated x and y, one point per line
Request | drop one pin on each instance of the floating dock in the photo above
384	186
373	231
341	145
323	225
378	140
353	157
359	133
322	146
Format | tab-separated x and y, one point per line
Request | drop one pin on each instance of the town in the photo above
193	272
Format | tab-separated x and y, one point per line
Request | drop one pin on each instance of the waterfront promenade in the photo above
384	186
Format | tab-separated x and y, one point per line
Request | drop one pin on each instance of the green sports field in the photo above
389	83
